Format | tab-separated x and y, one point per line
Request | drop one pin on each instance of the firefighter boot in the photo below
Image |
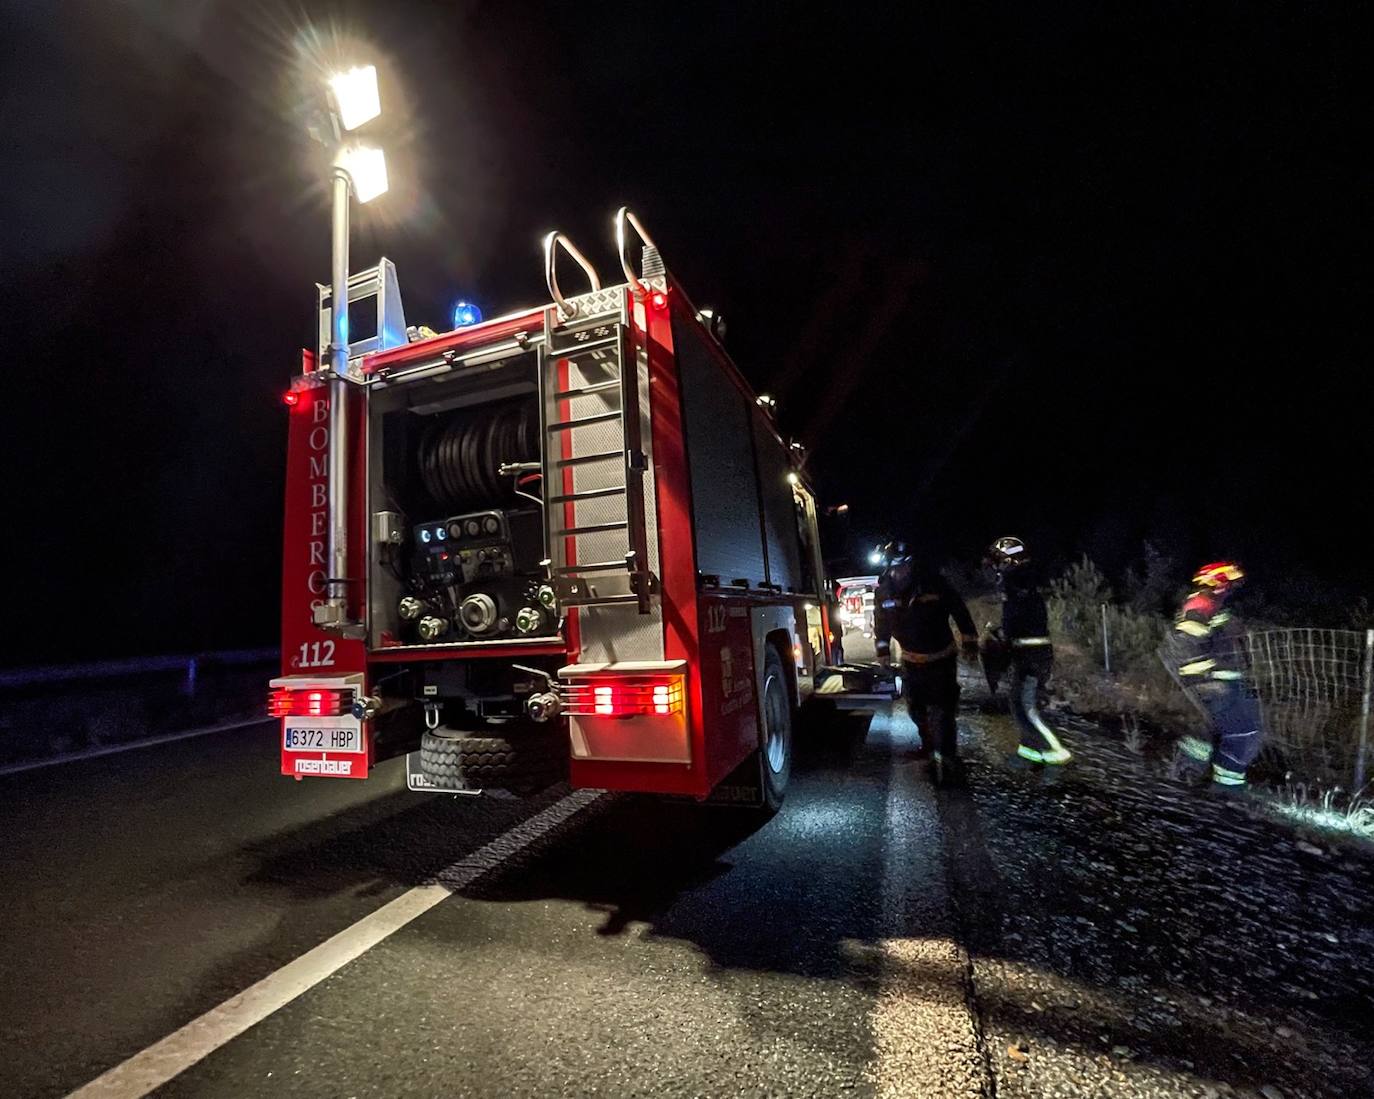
1227	784
1193	760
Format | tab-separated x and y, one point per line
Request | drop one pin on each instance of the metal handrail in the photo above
551	242
622	216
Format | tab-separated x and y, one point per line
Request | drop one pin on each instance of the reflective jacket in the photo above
1206	641
918	617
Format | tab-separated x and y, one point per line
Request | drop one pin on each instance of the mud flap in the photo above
742	787
420	783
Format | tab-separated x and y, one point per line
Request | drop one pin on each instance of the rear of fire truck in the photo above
577	549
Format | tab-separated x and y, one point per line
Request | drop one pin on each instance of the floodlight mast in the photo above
353	101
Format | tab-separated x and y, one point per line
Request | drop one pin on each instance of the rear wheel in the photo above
524	763
775	748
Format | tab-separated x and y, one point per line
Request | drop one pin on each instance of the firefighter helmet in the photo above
894	553
1008	553
1219	576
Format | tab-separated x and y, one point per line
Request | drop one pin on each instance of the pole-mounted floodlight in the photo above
366	168
355	96
354	101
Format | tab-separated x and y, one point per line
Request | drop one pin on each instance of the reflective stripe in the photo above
1193	629
1223	777
926	658
1197	667
1225	674
1046	732
1028	642
1195	747
1054	757
1219	619
888	604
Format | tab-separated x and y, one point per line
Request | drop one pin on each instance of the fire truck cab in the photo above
577	547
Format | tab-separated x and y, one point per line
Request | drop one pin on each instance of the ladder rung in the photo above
584	390
584	459
586	494
599	418
595	566
593	528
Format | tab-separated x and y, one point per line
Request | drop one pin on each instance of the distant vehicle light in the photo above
465	314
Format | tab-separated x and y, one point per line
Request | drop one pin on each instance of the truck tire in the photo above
775	751
455	759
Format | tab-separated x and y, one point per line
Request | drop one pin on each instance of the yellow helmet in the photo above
1219	574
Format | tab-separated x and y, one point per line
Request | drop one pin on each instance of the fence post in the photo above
1362	751
1106	642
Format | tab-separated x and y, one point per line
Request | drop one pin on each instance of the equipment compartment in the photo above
457	510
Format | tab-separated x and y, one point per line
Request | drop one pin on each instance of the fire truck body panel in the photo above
677	539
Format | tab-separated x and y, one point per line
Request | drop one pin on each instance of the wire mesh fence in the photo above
1314	692
1313	687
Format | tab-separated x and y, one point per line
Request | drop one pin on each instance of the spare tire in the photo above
524	763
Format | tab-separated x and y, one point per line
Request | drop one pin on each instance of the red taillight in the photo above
312	702
623	696
291	398
659	300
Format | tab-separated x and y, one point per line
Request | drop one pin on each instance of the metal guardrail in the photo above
144	665
60	711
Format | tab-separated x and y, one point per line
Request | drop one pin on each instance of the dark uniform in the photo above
914	605
1026	631
1206	649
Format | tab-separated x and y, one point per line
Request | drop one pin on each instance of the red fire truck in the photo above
573	544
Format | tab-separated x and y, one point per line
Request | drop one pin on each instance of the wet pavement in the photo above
1093	931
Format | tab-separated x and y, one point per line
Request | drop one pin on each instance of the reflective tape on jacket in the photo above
1193	629
1029	642
926	658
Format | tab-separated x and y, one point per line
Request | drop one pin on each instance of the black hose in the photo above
461	455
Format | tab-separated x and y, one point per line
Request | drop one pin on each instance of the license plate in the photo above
332	734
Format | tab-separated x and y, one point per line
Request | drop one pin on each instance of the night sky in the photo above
1088	276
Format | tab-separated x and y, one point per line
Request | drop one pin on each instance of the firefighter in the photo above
1207	653
914	604
1025	630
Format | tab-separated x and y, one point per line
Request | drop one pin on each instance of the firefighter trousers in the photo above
1234	718
932	699
1030	672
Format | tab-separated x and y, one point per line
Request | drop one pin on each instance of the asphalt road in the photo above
878	937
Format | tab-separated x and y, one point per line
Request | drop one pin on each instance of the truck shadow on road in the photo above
1115	920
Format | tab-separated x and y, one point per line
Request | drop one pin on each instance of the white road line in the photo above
924	1035
133	745
174	1054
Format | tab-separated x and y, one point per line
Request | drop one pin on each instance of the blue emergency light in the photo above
466	314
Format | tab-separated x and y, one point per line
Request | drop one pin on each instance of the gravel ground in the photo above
1131	936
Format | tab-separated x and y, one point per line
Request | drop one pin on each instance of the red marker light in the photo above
291	398
659	300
